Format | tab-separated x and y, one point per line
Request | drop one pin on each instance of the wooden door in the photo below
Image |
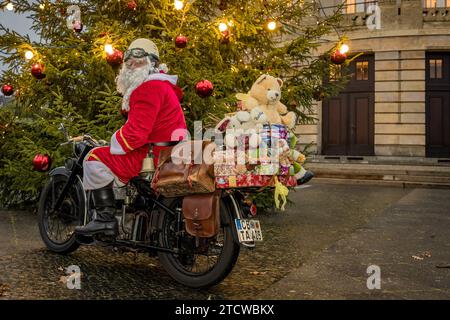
348	119
437	104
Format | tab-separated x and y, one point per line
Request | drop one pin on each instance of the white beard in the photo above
129	79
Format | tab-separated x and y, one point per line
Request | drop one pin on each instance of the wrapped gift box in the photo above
247	165
252	180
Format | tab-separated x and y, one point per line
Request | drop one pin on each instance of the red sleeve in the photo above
145	103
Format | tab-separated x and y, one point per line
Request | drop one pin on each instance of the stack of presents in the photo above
258	146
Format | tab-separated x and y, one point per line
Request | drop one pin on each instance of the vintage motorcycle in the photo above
147	222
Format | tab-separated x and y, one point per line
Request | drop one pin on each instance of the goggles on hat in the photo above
138	53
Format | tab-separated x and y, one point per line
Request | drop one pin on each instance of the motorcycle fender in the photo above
79	185
60	171
237	213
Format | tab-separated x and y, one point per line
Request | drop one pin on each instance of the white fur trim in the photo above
115	147
173	79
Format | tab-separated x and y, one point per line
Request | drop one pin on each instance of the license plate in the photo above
248	230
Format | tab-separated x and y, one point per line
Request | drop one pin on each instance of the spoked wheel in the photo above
199	262
57	227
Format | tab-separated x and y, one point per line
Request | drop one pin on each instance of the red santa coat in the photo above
155	116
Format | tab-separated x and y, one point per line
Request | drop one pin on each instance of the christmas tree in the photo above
68	76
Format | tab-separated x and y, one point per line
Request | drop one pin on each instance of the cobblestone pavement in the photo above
322	215
409	244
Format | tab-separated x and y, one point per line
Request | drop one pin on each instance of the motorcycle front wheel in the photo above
200	262
57	227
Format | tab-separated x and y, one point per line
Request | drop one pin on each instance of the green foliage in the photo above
79	86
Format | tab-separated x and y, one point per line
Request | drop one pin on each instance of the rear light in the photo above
42	162
249	209
253	210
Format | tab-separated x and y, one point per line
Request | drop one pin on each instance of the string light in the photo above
344	49
223	27
29	55
272	25
178	4
10	6
42	6
109	49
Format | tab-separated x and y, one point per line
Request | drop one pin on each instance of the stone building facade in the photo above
398	101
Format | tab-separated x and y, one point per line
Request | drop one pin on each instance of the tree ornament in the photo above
132	5
7	90
181	41
77	26
115	58
204	88
37	70
225	37
42	162
223	4
338	57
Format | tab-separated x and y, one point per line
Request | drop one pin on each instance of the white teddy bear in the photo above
243	123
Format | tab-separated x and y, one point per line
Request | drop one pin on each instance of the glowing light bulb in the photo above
272	25
344	49
178	4
42	6
10	7
223	27
29	55
109	49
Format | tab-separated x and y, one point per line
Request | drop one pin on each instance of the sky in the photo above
19	23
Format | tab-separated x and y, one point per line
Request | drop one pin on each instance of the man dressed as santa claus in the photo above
152	101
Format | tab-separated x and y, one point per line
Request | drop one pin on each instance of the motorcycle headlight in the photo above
79	148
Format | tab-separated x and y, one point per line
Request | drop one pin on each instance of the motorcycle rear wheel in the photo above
70	215
175	264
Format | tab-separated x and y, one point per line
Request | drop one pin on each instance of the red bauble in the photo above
42	162
223	4
7	90
181	41
225	37
77	26
204	88
37	70
116	58
338	58
132	5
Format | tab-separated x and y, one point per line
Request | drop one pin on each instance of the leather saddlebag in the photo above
182	169
202	214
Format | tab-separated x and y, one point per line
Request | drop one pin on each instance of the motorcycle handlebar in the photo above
85	137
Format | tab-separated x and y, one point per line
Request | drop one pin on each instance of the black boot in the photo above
105	222
306	177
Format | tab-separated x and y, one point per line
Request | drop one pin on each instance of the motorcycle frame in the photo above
76	171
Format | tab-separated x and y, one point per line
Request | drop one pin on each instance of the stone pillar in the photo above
400	103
